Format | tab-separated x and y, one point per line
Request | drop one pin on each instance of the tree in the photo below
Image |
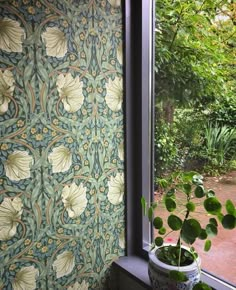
195	53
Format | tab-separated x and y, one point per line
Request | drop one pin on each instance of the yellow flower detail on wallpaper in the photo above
25	279
70	92
64	264
11	35
60	158
74	199
10	213
116	189
115	3
55	41
77	286
6	89
17	166
114	96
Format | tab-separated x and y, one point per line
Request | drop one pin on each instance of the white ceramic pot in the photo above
158	274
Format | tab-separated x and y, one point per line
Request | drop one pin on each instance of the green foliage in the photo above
219	146
179	219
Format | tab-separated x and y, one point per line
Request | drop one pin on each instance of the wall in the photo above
61	141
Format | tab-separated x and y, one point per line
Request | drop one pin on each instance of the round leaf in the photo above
213	221
210	193
229	222
190	206
230	207
199	191
212	205
191	229
178	276
170	204
159	241
203	235
197	179
162	231
211	230
187	188
157	223
174	222
207	245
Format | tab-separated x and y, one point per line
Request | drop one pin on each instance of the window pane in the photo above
195	111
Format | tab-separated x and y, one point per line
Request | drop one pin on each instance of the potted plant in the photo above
177	266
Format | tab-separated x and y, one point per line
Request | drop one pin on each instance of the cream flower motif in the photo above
55	41
6	89
121	151
120	54
17	166
10	212
114	96
25	279
11	35
115	3
116	189
70	91
60	158
64	264
74	199
83	286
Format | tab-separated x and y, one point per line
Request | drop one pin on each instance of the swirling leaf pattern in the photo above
61	143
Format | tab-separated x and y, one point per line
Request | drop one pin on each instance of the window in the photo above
194	101
139	127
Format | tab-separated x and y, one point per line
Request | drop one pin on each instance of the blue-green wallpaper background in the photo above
61	143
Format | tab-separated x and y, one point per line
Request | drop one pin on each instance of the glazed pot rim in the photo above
189	268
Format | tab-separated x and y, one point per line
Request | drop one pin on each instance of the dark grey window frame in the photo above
139	115
138	85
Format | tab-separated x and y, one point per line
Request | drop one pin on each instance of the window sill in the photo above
136	269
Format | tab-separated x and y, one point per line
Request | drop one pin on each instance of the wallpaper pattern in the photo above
61	141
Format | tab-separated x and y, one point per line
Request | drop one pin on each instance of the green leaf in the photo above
170	204
162	231
213	221
158	223
187	188
211	230
191	229
201	286
159	241
212	205
230	207
210	193
171	193
203	235
207	245
178	276
174	222
199	191
229	221
150	213
190	206
143	203
197	179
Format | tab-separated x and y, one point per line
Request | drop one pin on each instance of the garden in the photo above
195	98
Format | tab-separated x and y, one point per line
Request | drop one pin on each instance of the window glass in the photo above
195	109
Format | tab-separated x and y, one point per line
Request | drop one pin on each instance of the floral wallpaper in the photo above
61	143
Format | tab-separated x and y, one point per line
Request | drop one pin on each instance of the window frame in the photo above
139	48
138	85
